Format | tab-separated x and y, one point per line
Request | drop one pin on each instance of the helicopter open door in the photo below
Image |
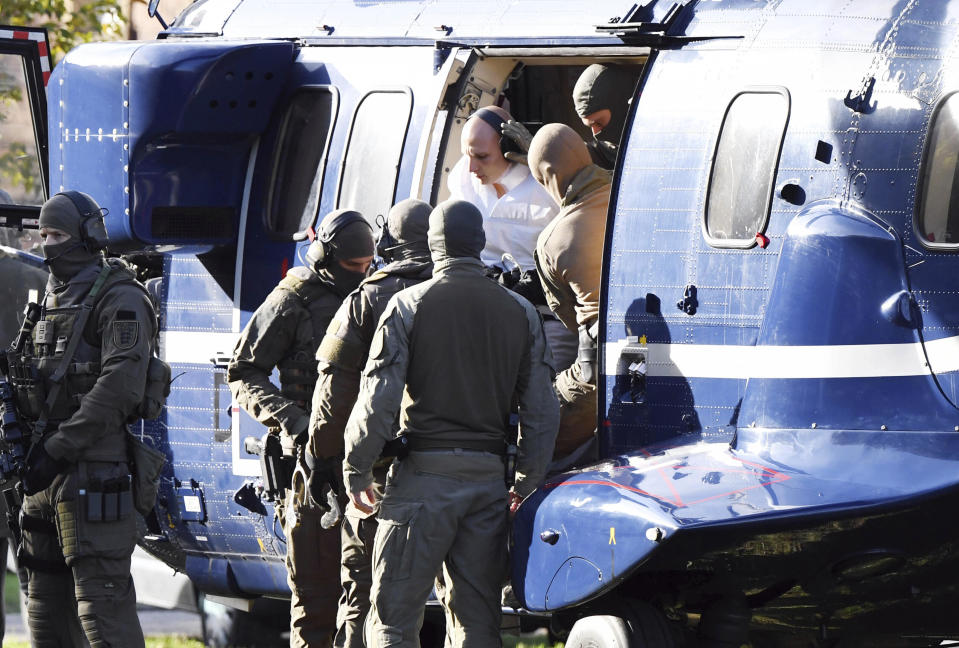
24	70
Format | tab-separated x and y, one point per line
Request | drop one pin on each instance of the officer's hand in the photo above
519	158
530	287
514	501
357	497
42	469
519	134
325	476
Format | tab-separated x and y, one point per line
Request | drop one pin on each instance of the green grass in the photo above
11	594
179	642
152	642
526	642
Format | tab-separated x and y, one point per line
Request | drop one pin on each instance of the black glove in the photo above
42	469
325	477
324	485
530	287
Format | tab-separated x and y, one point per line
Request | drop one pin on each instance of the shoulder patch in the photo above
125	333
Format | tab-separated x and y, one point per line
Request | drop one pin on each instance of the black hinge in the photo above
636	27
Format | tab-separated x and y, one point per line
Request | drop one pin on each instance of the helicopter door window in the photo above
744	167
373	152
938	213
21	173
300	160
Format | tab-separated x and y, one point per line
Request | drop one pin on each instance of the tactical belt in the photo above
494	446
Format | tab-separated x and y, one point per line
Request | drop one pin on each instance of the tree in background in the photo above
68	22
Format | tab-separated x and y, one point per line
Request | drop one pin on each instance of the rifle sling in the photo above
75	334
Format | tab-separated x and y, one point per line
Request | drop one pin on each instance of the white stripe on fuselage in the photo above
836	361
195	347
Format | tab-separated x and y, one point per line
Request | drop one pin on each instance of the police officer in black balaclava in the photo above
341	357
601	97
284	333
76	546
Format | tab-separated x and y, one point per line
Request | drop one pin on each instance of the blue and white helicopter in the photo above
778	430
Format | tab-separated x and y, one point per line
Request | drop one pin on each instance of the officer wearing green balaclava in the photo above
601	97
284	333
96	329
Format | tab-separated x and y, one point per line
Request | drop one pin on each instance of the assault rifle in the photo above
15	434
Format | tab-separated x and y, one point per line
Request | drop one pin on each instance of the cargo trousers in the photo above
312	554
357	536
443	510
77	544
577	410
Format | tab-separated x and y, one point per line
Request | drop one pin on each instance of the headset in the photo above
320	253
93	233
386	242
506	145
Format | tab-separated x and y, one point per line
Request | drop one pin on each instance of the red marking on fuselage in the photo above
768	475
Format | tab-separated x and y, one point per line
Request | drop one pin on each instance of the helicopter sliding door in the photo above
24	70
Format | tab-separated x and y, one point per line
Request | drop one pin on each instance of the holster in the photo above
276	467
147	465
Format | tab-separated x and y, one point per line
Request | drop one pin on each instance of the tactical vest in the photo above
32	370
298	369
403	276
348	348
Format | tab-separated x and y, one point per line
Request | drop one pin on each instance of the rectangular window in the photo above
21	173
744	167
300	160
938	212
374	151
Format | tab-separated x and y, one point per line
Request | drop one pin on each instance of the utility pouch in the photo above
94	512
147	465
156	391
111	501
91	500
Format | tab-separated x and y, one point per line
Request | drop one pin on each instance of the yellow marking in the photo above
642	339
612	535
260	542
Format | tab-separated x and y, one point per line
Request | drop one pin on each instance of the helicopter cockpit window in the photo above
744	167
373	152
938	213
300	160
21	173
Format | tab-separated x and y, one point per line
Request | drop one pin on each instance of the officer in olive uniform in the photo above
285	333
90	350
341	357
451	356
569	261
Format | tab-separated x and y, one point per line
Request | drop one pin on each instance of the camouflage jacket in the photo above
283	333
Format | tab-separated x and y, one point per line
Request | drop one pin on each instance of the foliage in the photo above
152	642
82	22
18	169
